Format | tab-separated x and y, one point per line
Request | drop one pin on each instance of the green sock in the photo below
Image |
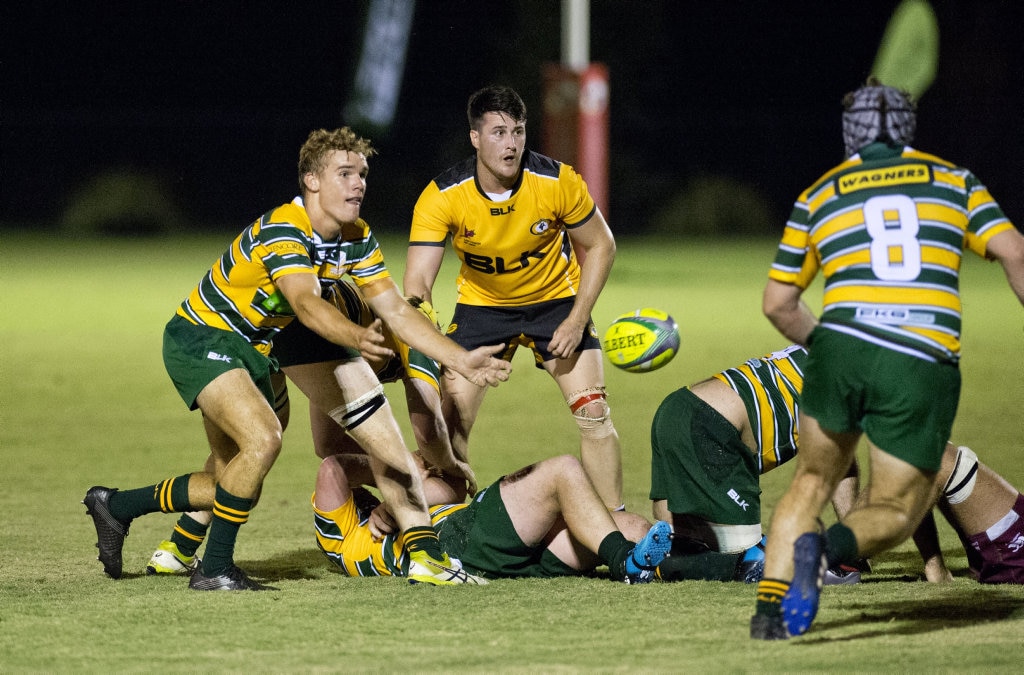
423	539
769	597
613	551
840	545
704	566
169	495
229	514
188	534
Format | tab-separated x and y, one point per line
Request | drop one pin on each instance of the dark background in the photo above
215	98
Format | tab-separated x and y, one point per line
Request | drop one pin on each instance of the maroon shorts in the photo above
1002	559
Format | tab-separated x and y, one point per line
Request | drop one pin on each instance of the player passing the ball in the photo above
887	228
536	253
217	351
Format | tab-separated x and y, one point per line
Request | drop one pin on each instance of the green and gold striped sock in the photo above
169	495
229	514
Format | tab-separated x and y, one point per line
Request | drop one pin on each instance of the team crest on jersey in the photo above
540	227
336	271
467	238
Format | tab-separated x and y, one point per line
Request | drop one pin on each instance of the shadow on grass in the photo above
291	566
903	617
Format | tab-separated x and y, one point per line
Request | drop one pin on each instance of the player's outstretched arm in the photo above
414	329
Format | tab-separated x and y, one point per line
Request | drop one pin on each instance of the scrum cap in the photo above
876	112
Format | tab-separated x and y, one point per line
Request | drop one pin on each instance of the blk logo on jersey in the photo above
503	210
214	356
498	265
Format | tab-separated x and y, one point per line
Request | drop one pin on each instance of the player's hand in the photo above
566	338
482	369
381	522
370	342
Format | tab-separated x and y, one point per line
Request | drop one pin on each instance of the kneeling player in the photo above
711	441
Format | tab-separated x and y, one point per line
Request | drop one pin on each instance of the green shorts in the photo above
530	326
483	538
904	404
196	355
700	465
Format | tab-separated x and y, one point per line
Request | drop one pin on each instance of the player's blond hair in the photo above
321	143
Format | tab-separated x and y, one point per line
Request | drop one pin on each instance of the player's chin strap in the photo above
590	409
963	477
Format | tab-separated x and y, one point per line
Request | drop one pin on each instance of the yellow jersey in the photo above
515	251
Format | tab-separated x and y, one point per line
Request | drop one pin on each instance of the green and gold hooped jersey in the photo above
887	228
238	293
770	388
344	537
516	251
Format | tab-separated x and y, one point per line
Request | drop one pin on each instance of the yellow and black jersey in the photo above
516	251
887	228
239	294
770	387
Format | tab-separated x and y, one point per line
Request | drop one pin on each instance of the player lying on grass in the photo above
545	520
217	350
711	441
319	368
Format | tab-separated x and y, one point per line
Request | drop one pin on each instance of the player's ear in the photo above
474	138
311	181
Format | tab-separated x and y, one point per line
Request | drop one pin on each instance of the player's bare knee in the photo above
963	477
592	413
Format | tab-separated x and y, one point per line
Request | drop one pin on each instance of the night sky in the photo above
214	97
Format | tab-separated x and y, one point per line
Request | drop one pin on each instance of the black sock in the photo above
613	551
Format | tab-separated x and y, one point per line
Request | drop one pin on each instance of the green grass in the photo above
85	401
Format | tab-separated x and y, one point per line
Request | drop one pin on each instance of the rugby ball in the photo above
642	340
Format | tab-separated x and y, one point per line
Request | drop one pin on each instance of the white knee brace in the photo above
351	415
965	473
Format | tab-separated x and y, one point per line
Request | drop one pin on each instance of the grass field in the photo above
85	400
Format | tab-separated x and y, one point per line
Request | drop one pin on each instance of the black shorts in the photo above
530	326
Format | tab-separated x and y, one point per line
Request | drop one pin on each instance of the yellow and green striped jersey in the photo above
239	294
515	251
344	537
887	228
770	388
